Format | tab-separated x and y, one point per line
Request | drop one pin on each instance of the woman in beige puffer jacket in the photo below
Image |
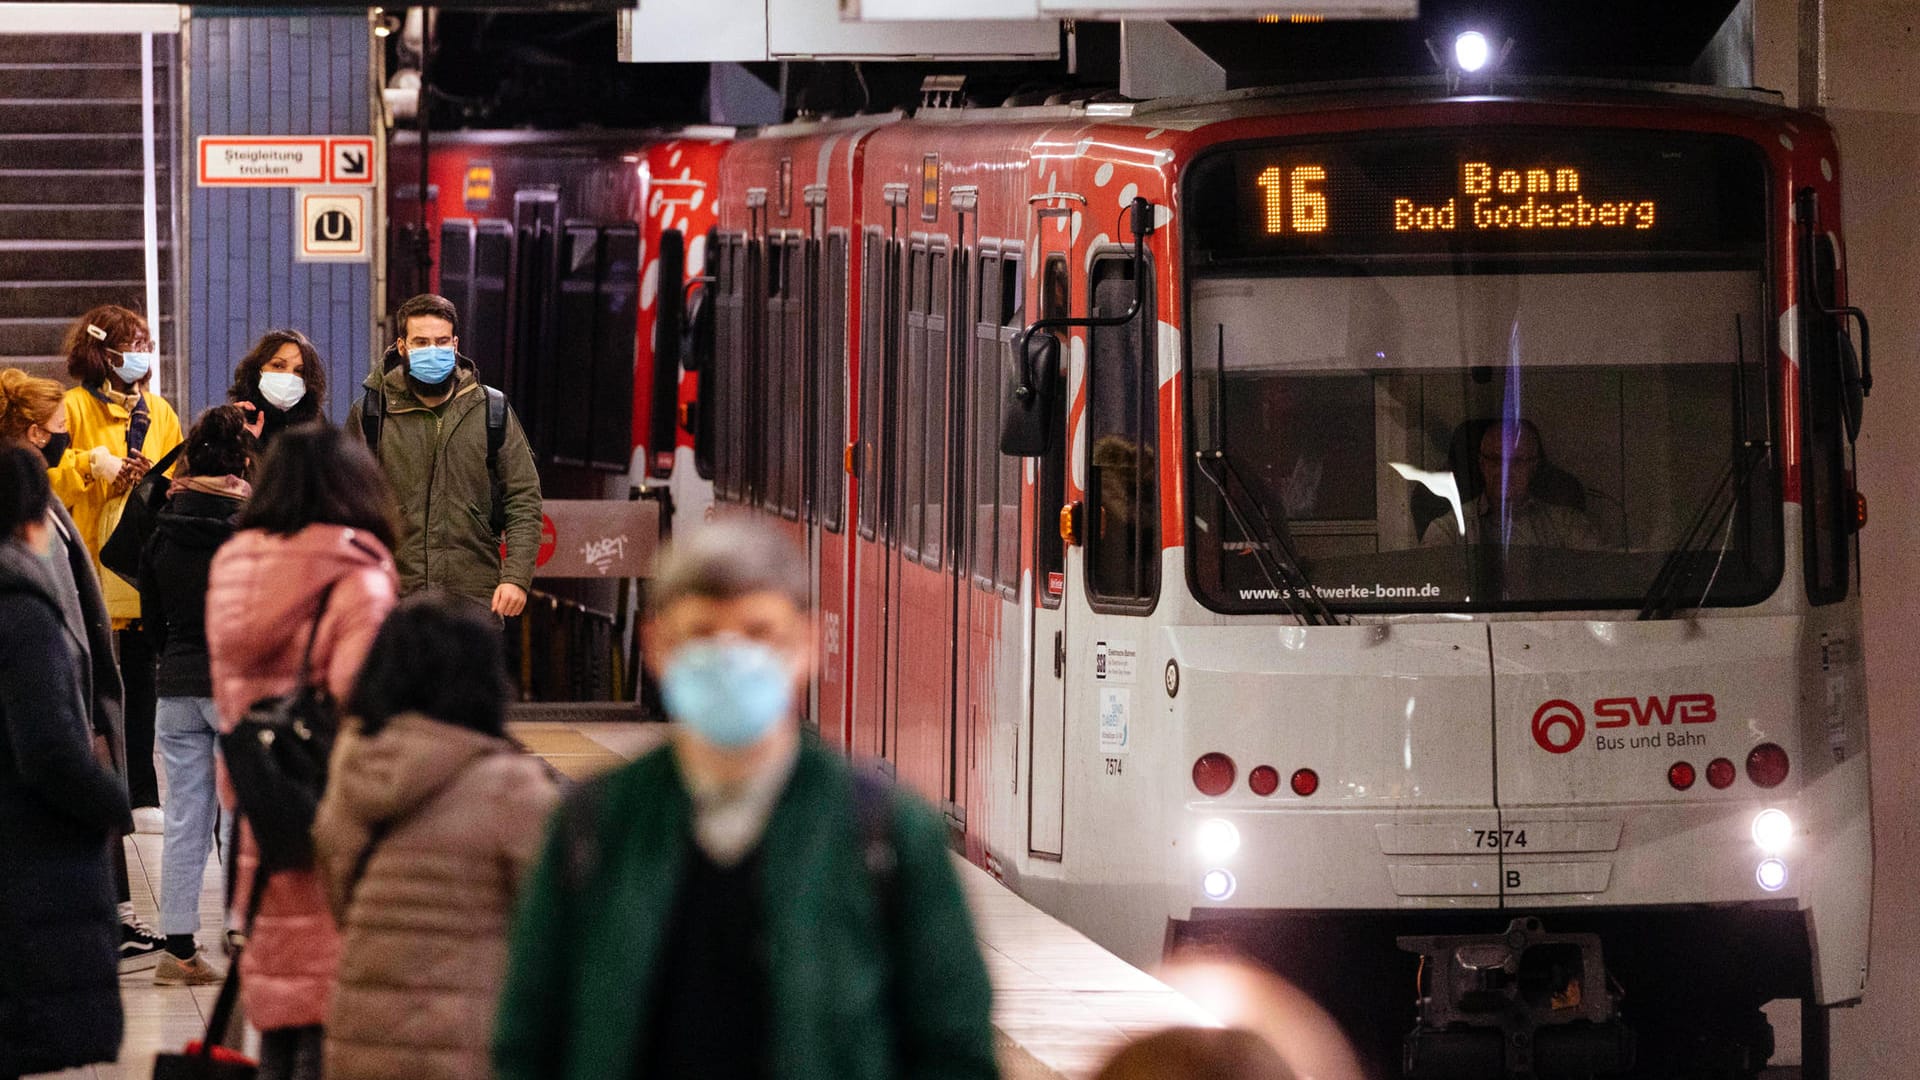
430	820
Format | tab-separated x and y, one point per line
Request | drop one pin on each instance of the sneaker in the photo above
140	947
193	971
149	820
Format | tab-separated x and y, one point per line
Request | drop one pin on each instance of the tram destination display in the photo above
1561	192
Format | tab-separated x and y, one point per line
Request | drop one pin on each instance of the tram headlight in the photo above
1772	831
1217	840
1772	875
1217	884
1472	51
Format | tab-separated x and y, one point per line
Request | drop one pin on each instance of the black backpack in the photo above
373	413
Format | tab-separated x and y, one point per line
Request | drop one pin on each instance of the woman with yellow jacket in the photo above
120	428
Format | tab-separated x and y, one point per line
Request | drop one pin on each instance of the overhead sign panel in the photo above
663	31
1265	10
284	160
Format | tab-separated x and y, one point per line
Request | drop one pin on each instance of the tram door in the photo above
1046	717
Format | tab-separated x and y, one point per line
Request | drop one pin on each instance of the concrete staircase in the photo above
71	224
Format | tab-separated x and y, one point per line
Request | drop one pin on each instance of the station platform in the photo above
1061	1003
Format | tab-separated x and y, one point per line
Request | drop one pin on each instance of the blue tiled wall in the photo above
272	75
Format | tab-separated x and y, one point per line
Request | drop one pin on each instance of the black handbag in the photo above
199	1062
121	552
277	760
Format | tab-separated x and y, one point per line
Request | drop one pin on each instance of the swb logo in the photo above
1559	726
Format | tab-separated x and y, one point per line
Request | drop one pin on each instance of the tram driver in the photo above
1516	497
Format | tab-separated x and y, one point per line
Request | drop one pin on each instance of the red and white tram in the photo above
1431	540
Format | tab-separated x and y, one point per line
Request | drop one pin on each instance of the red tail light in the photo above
1305	782
1767	765
1213	774
1264	780
1680	775
1720	773
663	463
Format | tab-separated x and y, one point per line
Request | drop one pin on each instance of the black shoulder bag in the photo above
121	552
277	760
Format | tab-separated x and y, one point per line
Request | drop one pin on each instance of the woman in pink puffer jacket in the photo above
321	519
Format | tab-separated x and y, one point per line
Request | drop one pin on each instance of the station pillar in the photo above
288	185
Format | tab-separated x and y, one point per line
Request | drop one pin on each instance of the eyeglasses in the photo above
1510	459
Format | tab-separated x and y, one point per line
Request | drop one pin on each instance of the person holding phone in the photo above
119	428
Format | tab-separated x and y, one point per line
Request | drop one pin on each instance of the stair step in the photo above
59	49
72	223
40	367
29	299
75	260
74	81
95	115
44	336
55	186
46	151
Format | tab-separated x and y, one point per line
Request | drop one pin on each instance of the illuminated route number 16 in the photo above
1284	187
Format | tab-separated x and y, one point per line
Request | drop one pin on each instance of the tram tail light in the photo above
1767	765
1213	774
1264	780
1721	773
1680	775
1305	782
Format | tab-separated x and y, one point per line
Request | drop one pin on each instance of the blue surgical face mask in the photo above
133	366
729	691
430	364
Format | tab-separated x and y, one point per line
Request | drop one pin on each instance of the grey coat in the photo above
104	693
60	1000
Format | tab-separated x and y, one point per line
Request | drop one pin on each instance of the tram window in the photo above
1012	313
833	384
1050	559
1825	486
959	423
793	383
913	459
934	392
1123	505
984	379
873	261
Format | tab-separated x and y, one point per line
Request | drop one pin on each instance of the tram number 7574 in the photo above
1499	839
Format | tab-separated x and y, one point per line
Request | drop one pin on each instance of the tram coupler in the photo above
1523	1005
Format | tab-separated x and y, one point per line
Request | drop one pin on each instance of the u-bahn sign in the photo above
332	225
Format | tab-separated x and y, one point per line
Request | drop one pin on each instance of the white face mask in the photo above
282	389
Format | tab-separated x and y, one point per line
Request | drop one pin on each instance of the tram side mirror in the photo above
1032	409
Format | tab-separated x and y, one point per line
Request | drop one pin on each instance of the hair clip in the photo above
96	333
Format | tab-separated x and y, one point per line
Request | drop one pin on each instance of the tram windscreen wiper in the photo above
1272	543
1663	597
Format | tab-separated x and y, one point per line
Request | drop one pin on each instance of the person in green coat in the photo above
456	506
741	903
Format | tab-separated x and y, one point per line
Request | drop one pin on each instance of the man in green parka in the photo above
740	903
464	484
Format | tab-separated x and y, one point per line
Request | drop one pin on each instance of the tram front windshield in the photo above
1480	421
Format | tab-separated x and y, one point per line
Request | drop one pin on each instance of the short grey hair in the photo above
726	559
